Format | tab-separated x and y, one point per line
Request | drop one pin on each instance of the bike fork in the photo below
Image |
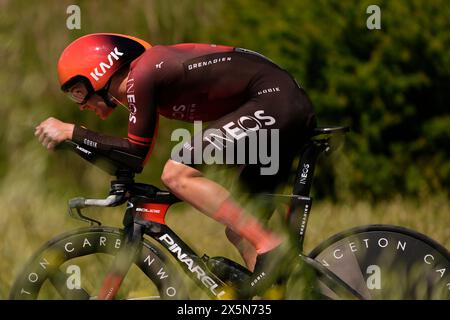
122	262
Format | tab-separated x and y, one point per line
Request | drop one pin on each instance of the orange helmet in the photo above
96	57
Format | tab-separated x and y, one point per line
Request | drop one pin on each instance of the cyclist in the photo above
237	90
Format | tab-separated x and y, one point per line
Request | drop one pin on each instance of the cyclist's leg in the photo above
295	127
245	248
211	198
254	183
297	120
290	115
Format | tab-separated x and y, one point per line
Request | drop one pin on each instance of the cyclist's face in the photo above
98	105
79	93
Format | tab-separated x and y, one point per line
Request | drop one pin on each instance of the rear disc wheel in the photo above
387	262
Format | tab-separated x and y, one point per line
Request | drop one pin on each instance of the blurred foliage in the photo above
390	85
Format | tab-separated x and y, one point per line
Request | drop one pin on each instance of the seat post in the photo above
301	203
305	170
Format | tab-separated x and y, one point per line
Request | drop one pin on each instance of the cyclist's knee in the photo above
175	175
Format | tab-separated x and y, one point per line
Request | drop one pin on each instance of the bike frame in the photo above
145	214
148	206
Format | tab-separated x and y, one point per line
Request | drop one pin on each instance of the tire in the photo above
73	265
387	262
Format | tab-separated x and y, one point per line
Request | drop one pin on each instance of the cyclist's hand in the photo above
53	131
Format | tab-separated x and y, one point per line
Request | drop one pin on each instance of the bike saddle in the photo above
330	130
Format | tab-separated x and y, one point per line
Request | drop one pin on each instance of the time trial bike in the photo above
365	262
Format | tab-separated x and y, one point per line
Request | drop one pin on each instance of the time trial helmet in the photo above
94	58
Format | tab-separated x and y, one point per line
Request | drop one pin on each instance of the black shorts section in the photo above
264	134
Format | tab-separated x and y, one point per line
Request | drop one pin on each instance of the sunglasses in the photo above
78	97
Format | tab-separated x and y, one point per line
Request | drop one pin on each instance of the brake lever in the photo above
81	203
79	216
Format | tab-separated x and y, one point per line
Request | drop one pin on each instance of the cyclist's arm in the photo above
104	143
141	97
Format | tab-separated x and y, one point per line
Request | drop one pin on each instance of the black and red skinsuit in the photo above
232	89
